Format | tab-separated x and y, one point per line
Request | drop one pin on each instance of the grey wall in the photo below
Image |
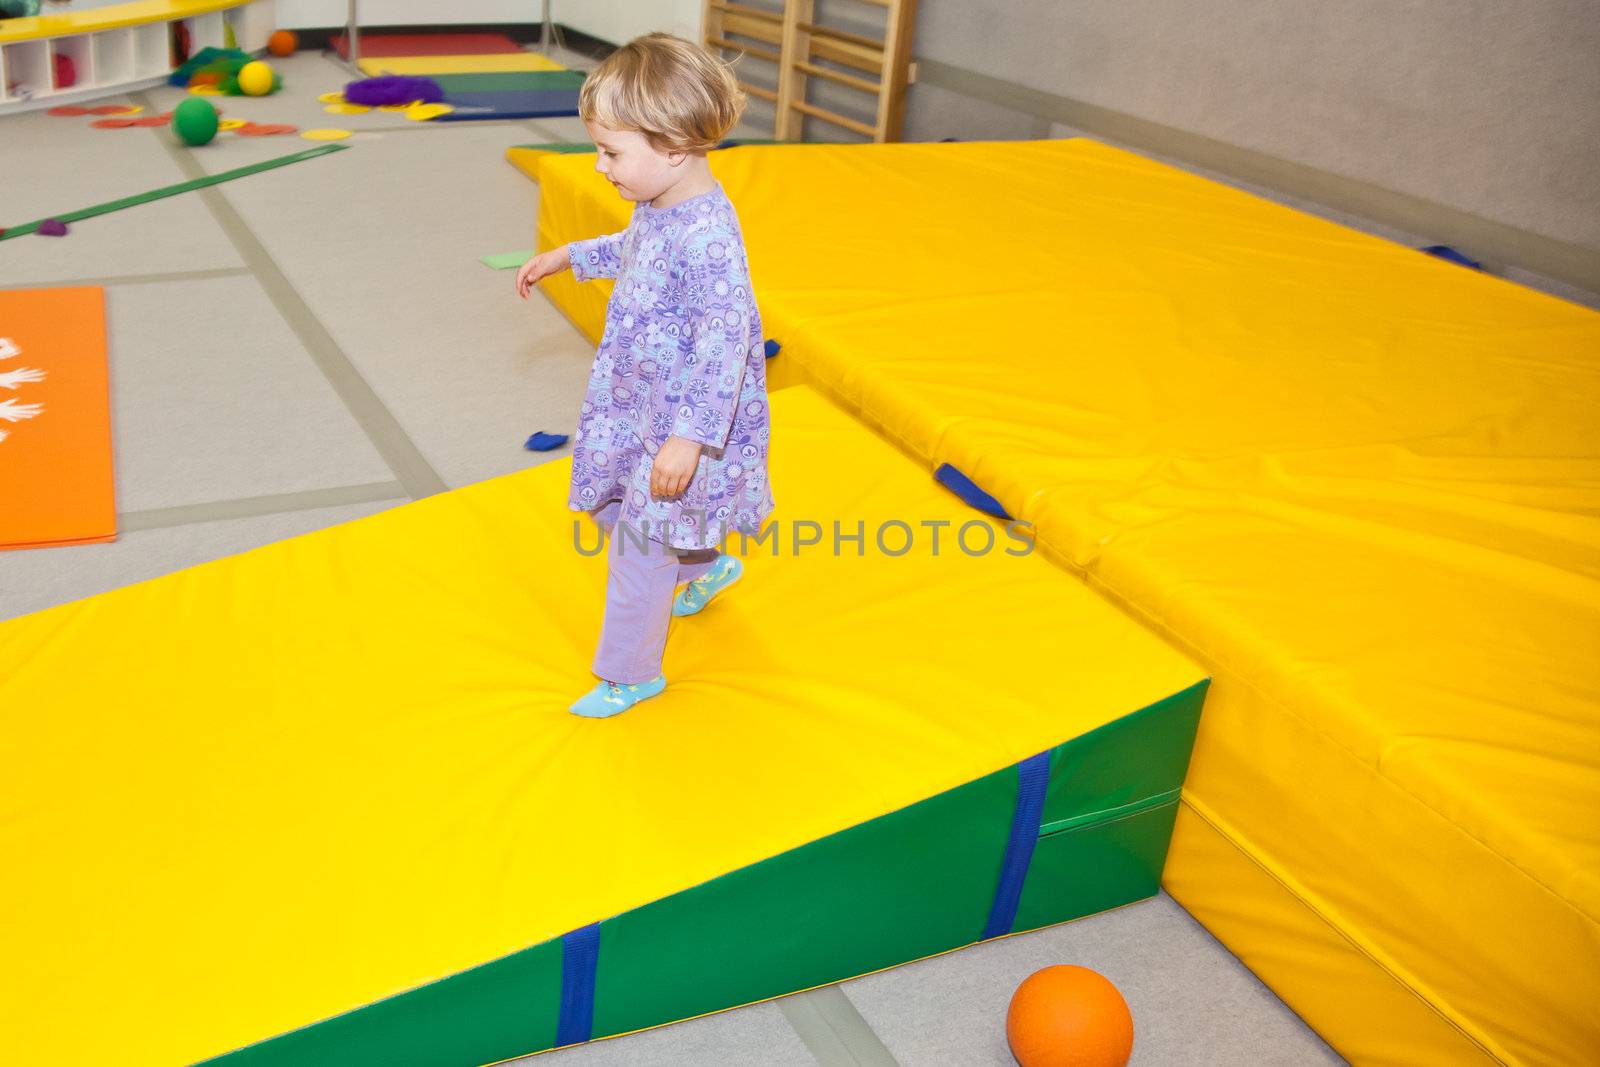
1487	108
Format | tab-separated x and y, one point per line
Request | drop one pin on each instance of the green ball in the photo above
195	122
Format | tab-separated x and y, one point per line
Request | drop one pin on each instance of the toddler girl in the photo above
671	450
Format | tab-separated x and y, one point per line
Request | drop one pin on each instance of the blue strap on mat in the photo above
544	442
580	954
1033	775
967	489
1451	255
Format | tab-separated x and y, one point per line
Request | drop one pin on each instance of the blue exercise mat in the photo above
519	104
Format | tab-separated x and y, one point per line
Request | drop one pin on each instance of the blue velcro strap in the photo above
544	442
1033	774
580	952
967	489
1451	255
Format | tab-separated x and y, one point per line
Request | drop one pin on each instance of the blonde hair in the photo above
674	92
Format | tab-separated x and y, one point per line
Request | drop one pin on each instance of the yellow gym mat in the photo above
495	63
332	783
1360	484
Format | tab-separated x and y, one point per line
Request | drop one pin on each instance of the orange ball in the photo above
1069	1016
283	43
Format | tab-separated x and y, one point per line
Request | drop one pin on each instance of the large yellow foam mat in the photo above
245	798
1359	484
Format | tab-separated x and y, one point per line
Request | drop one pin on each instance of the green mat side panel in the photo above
900	887
909	884
1137	757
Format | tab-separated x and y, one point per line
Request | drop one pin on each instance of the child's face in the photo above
631	163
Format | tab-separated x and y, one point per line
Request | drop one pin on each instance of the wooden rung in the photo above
843	79
760	29
748	49
837	119
746	9
848	55
841	35
756	90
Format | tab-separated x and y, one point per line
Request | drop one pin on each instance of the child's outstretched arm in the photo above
598	257
551	261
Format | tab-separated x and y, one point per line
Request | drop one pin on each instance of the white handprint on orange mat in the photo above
12	410
16	411
14	379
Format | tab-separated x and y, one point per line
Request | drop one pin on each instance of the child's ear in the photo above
675	159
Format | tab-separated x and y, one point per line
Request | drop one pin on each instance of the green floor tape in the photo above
506	260
173	190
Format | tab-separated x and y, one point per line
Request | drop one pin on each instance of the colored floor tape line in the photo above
174	190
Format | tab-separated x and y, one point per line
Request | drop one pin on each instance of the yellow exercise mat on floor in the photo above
252	795
485	64
1361	484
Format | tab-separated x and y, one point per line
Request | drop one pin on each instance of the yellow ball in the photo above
255	79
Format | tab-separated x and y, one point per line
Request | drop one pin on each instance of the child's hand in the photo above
542	265
674	466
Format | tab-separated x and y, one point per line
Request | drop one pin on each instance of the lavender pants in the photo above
643	575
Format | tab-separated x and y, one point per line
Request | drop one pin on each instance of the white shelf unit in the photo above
253	24
205	31
113	57
152	51
116	60
28	71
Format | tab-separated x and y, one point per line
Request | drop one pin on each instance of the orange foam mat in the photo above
56	479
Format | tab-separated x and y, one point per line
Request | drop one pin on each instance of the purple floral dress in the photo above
682	355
